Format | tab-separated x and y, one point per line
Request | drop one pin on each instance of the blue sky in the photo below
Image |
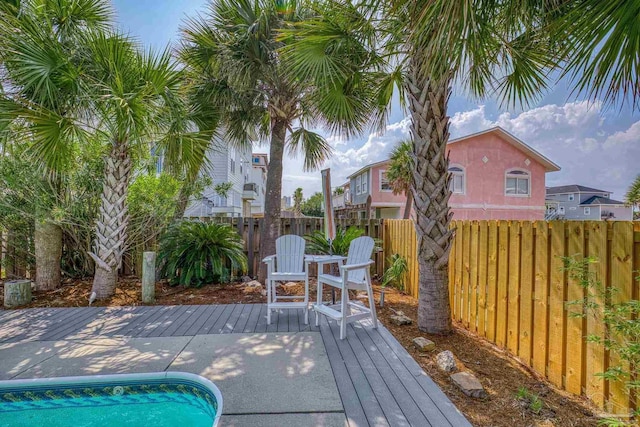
594	147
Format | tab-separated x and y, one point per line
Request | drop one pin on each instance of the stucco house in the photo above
494	176
577	202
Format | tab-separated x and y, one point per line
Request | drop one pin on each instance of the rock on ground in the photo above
253	287
424	344
446	362
469	384
400	320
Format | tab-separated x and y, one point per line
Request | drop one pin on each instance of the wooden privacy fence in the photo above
249	229
507	285
400	238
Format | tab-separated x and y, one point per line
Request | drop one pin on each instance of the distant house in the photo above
235	166
494	176
577	202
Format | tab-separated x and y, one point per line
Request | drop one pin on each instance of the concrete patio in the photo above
283	374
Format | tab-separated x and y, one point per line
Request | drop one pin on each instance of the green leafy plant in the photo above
533	401
620	318
317	243
195	253
395	273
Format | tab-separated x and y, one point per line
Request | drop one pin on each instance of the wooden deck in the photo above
379	382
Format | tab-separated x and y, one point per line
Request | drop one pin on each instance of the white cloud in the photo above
575	135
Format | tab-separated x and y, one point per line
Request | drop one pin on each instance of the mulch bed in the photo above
500	374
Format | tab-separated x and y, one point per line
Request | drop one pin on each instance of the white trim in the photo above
380	172
506	176
587	210
490	206
464	177
387	204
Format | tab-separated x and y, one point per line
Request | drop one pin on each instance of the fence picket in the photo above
513	298
482	277
575	292
555	369
541	296
526	292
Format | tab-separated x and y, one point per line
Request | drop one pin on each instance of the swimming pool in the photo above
164	399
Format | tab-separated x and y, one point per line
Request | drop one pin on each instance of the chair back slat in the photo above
290	254
360	251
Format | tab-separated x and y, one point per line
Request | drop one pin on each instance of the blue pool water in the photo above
163	402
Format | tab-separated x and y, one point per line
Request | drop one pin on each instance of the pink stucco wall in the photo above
382	197
484	196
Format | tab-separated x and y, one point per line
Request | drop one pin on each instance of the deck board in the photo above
379	383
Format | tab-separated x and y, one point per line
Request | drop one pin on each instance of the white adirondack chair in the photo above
287	265
353	275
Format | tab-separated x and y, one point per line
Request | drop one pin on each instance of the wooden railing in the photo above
508	285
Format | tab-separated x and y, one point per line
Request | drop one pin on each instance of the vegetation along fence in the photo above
508	285
249	229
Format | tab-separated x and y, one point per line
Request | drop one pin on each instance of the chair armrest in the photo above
356	266
269	259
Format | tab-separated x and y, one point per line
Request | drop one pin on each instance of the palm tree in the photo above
633	194
506	49
41	65
239	53
119	97
400	173
297	202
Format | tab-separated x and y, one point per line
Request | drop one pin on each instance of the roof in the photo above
573	188
549	166
597	200
369	166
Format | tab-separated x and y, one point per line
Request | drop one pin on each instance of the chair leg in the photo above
268	301
372	303
306	300
343	311
319	301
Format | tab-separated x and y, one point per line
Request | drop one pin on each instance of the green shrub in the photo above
317	243
195	253
395	273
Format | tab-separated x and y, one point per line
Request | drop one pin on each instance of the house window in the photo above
571	197
233	166
365	177
517	183
587	211
456	185
385	185
358	184
561	210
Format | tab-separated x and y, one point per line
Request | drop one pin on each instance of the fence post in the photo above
148	277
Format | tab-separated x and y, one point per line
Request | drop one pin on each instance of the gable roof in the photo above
549	166
573	188
369	166
597	200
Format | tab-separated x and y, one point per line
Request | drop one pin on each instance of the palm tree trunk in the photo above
48	250
407	207
430	131
111	226
272	207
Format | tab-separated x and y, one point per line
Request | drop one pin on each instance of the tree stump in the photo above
17	292
148	277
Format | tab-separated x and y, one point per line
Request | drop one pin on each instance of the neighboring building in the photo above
577	202
260	166
227	164
339	201
494	176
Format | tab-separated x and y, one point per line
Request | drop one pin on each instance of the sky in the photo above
594	146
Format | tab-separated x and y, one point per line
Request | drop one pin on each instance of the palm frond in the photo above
313	147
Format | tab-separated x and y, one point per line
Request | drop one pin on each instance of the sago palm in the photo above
400	173
238	50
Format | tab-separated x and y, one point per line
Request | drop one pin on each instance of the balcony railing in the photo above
250	191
